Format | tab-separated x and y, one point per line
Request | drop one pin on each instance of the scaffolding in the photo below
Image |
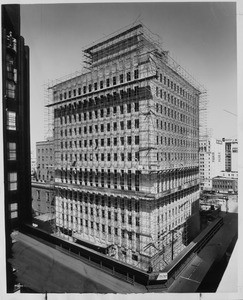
86	183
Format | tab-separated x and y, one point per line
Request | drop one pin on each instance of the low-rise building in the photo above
45	160
43	198
225	185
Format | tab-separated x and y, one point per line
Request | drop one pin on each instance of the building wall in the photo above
42	198
126	154
225	185
231	154
16	130
212	160
45	160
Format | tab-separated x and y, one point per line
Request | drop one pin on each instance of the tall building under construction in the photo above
126	140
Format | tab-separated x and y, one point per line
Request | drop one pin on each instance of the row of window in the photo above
108	215
129	156
103	127
175	87
101	142
98	200
105	229
96	179
102	84
100	113
175	115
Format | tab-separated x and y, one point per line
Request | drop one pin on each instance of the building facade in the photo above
225	185
16	127
43	201
45	161
212	160
231	154
126	138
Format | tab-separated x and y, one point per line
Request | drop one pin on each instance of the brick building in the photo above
45	160
126	138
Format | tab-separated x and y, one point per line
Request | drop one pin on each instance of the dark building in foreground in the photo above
16	127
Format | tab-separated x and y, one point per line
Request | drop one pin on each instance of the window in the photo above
107	82
13	209
11	151
129	140
128	76
122	125
121	78
114	80
135	74
129	124
121	109
136	156
129	156
12	181
122	157
136	140
122	140
129	108
11	87
137	123
11	120
101	84
136	106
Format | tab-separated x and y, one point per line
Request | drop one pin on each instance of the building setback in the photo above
16	128
126	139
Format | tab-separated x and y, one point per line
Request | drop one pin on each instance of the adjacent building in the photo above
43	183
212	160
45	161
126	138
225	184
43	198
231	154
16	128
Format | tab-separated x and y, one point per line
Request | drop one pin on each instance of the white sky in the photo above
200	36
